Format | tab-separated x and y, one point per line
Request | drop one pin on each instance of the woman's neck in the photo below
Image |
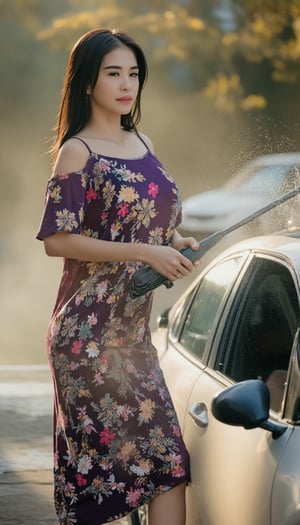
107	128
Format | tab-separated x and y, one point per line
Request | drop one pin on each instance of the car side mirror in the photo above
246	404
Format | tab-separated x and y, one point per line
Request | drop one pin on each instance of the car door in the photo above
232	469
199	311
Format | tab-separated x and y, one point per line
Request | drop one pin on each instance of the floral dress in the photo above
117	442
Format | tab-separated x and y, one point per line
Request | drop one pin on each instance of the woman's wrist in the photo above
176	238
140	252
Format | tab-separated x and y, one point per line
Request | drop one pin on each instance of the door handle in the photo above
199	413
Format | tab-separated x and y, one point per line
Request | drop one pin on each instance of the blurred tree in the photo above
263	49
22	60
210	46
242	54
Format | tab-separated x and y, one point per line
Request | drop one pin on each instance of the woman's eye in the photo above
134	75
114	74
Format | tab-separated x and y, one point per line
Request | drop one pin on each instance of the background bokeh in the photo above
223	88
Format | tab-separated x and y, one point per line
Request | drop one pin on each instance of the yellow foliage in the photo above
169	15
195	23
253	102
222	84
225	91
229	39
170	19
288	77
82	21
259	26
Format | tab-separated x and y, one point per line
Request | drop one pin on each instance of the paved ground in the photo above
26	447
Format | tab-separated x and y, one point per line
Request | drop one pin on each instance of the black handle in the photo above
147	279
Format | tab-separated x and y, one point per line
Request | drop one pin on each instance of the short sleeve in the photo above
178	218
64	205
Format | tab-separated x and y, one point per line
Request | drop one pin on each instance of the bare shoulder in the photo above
148	141
72	156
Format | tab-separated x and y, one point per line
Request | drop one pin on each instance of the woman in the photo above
111	207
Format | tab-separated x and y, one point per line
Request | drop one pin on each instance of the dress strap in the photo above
83	142
143	141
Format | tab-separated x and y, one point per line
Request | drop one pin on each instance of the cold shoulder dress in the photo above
117	441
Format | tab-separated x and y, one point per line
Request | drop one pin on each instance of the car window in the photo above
205	306
175	327
261	336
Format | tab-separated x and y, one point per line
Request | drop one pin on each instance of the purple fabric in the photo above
117	441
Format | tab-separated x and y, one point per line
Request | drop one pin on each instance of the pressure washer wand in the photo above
147	279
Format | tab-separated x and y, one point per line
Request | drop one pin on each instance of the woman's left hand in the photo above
179	242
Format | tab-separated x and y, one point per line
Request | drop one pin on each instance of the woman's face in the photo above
117	84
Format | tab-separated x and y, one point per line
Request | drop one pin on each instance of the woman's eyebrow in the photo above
119	67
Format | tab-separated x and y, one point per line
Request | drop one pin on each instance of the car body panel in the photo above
181	374
229	494
287	483
237	475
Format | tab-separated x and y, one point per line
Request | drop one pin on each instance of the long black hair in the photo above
82	71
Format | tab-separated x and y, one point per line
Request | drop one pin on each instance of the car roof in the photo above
285	244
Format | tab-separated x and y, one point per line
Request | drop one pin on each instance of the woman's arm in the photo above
164	259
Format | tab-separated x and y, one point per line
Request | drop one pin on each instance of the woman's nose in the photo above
125	83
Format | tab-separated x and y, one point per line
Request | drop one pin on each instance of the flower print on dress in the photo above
91	195
101	488
92	319
84	331
101	290
81	481
66	221
70	491
126	175
68	327
128	452
115	229
123	209
134	497
92	349
106	436
156	236
76	347
153	189
85	423
85	464
55	194
103	165
108	193
144	467
143	212
146	411
128	194
125	412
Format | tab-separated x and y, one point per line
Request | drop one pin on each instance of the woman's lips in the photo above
125	100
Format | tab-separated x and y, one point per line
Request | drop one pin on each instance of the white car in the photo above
230	352
259	182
